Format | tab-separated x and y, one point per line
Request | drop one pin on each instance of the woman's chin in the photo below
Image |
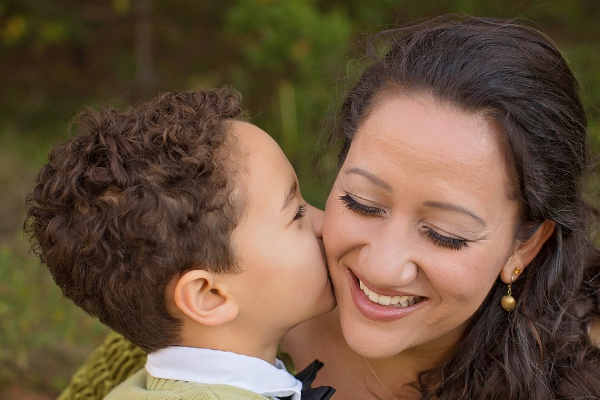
373	341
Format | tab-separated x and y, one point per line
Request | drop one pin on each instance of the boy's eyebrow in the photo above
289	196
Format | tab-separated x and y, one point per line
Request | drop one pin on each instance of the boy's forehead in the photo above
262	162
256	144
249	133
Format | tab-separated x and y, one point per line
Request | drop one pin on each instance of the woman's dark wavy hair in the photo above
133	199
516	77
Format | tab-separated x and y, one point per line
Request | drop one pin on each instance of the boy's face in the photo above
284	278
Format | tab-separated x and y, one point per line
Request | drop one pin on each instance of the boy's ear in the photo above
199	296
526	252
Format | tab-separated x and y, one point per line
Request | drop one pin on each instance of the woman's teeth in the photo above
397	301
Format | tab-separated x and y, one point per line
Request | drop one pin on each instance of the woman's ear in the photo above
526	252
199	296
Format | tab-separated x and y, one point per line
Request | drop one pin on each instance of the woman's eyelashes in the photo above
438	239
301	212
360	208
446	241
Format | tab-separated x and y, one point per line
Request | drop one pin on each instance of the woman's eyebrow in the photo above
435	204
289	195
377	181
454	207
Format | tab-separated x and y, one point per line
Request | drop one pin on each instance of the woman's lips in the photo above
402	301
382	307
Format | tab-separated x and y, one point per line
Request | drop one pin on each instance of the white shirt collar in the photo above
222	367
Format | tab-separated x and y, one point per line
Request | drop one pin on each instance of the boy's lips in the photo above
382	305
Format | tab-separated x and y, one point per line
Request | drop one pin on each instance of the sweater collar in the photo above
222	367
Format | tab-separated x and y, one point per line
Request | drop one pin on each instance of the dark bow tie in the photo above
307	376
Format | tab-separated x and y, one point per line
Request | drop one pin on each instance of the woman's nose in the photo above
316	217
387	269
389	258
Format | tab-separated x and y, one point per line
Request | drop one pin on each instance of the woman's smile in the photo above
382	305
400	301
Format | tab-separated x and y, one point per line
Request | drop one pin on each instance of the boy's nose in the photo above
316	217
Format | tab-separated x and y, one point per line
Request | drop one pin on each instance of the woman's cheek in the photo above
462	278
332	221
339	231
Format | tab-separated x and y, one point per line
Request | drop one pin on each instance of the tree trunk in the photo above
145	79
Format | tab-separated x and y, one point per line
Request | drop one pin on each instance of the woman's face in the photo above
418	226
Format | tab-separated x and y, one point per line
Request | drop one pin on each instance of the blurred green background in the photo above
291	59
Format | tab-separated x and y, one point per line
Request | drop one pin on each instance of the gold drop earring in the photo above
507	301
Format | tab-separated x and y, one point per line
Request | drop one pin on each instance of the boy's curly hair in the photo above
132	200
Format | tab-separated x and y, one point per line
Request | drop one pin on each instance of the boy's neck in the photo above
225	339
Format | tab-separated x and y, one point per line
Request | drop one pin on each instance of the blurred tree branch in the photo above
145	79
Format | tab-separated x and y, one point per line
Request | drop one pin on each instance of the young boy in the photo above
182	227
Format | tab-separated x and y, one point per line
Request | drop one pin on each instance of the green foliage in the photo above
43	337
291	37
38	321
290	51
31	24
584	59
121	7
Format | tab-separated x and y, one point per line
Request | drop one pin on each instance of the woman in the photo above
460	183
455	231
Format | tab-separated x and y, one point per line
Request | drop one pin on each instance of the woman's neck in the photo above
399	374
348	372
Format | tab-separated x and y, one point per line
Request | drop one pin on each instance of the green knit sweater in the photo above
142	386
113	362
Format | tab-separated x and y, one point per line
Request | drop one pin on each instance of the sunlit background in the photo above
291	59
